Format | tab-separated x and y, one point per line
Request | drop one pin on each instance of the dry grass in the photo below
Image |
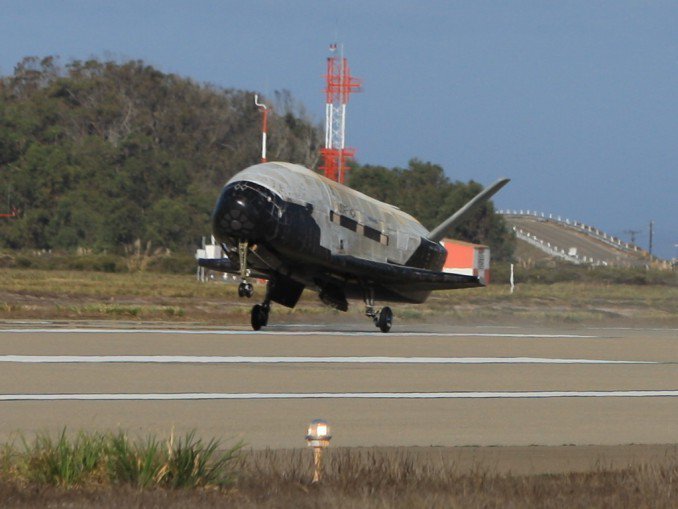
399	478
77	295
373	479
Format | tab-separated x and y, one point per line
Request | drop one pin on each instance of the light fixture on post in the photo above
318	437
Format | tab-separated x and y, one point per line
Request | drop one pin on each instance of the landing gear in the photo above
260	312
259	317
382	318
385	319
245	289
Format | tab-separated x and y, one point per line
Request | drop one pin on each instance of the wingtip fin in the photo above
438	232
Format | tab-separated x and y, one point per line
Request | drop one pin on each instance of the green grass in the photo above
90	459
61	461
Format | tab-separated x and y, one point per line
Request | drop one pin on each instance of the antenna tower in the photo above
632	234
339	86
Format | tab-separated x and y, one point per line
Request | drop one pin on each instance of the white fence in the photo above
555	250
581	227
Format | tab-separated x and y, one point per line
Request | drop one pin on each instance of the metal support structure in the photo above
339	86
370	310
245	289
242	258
632	234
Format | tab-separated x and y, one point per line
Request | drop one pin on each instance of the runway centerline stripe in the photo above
197	359
293	333
343	395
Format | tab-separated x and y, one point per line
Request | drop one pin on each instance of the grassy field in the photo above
353	478
115	471
141	296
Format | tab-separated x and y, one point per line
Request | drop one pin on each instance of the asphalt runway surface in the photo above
416	386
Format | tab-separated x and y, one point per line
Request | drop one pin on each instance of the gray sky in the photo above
576	101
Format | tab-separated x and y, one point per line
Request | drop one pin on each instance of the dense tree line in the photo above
106	155
100	154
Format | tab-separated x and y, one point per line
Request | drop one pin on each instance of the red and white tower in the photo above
339	86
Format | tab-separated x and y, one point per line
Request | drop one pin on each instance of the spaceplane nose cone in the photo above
244	212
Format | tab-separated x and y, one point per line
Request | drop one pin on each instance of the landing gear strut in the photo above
245	289
383	318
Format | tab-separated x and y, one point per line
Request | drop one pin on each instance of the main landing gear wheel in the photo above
382	318
385	319
245	290
259	316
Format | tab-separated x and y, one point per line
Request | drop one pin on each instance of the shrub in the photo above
99	458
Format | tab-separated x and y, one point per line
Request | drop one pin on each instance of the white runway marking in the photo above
293	333
654	329
343	395
193	359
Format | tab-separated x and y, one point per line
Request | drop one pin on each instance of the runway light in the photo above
318	436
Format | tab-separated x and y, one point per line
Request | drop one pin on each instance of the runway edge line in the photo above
345	395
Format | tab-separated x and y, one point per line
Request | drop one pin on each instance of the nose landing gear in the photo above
260	312
245	289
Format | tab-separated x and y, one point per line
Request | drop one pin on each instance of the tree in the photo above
99	153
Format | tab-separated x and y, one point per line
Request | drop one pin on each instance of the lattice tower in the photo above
339	86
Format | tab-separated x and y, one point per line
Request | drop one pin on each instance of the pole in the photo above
264	125
511	280
317	464
651	231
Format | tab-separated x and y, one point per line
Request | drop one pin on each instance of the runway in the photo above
418	386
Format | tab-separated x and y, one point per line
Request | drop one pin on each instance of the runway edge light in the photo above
318	436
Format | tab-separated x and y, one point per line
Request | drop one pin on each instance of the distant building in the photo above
212	251
467	258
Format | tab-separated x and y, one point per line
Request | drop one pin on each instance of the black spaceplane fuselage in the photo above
295	228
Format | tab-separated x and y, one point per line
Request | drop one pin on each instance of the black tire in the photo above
265	309
385	319
249	290
259	317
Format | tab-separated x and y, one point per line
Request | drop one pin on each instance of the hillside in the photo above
98	155
120	157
